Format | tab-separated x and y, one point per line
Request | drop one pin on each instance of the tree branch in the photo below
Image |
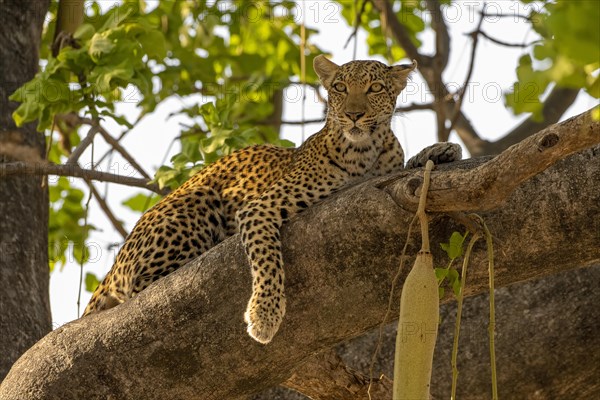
184	337
555	105
442	38
401	35
117	146
41	169
503	43
107	211
413	107
461	94
488	186
84	144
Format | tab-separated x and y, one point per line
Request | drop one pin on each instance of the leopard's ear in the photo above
325	69
400	73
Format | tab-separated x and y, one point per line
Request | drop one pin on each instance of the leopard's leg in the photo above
259	228
259	223
439	153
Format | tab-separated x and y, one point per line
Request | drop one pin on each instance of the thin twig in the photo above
41	169
502	43
462	91
83	145
117	146
107	211
121	136
356	23
308	121
413	107
83	248
513	15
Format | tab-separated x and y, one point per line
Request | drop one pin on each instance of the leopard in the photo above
254	191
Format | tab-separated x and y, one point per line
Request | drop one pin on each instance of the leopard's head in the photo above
362	94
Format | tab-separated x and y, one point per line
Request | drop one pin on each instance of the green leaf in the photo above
454	281
441	274
84	32
454	248
141	202
100	47
91	282
596	113
154	44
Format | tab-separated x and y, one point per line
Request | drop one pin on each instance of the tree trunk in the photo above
184	337
24	301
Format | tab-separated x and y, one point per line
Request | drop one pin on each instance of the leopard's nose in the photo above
355	116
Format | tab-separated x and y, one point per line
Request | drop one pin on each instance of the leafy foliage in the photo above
66	231
568	54
230	58
454	249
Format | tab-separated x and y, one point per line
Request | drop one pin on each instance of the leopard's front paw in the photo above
263	316
439	153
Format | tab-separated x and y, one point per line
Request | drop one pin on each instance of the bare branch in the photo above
555	105
511	15
401	35
503	43
84	144
461	95
116	145
413	107
359	15
107	211
308	121
41	169
442	37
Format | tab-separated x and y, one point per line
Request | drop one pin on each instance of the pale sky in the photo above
493	75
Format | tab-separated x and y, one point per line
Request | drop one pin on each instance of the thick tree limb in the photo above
185	338
487	186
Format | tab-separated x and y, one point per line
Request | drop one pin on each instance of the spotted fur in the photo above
257	189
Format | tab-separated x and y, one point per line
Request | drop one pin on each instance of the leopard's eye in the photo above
339	87
376	87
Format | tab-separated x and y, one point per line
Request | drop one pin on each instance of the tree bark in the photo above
184	337
24	301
